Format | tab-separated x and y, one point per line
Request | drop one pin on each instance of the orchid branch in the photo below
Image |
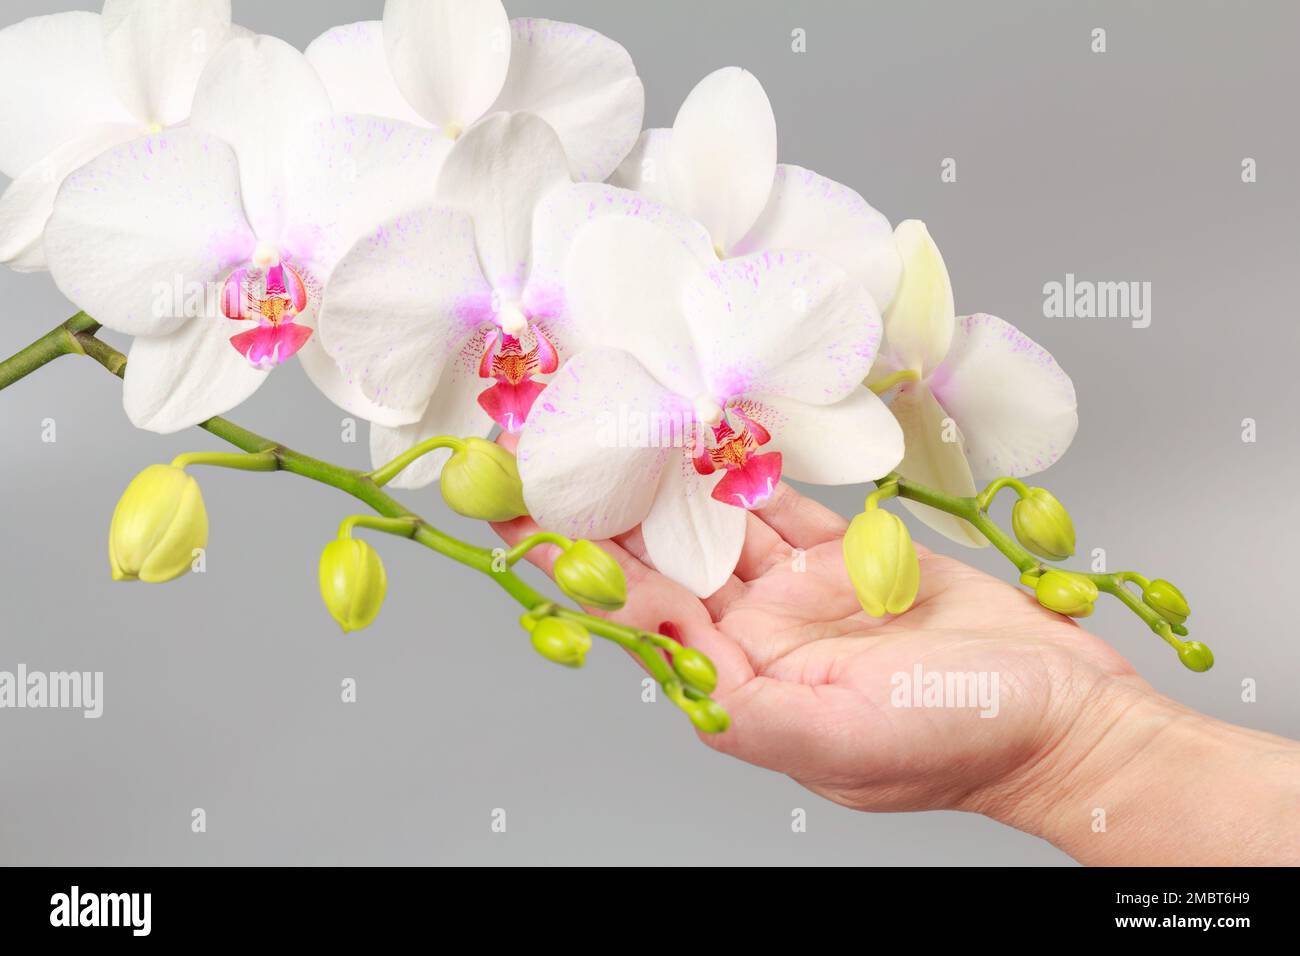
1164	618
77	336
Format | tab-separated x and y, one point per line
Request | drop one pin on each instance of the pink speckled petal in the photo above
560	217
137	229
630	283
401	304
1013	403
596	441
794	325
815	214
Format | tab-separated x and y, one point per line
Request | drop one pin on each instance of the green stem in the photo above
401	527
969	510
383	475
61	340
973	510
257	461
532	541
76	336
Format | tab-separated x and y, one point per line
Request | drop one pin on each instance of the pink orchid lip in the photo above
273	297
505	360
750	477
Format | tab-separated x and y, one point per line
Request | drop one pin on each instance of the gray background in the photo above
222	689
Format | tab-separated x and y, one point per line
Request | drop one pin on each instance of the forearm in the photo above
1147	782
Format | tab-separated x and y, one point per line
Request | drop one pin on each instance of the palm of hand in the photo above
810	679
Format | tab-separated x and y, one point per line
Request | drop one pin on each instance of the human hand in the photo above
809	681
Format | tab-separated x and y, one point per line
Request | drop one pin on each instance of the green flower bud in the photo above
1196	656
561	640
158	523
590	576
1043	525
1066	593
696	669
352	582
707	715
481	480
882	562
1167	601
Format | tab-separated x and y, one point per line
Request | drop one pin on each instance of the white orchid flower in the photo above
75	84
977	397
210	243
708	382
718	165
448	63
452	316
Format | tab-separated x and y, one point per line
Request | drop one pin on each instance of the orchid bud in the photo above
1167	601
481	480
1196	656
586	573
561	640
352	582
1043	525
158	523
882	562
695	669
707	715
1066	593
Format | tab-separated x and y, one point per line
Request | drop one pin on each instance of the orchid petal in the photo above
630	284
750	485
53	87
26	205
795	325
814	214
689	536
853	441
400	305
448	57
930	458
919	322
256	94
582	84
138	227
561	216
645	169
722	156
1014	405
178	380
353	66
452	410
155	51
596	440
498	172
351	173
346	394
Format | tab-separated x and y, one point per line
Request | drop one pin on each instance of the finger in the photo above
716	603
800	521
653	601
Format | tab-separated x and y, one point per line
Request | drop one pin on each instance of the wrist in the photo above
1138	779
